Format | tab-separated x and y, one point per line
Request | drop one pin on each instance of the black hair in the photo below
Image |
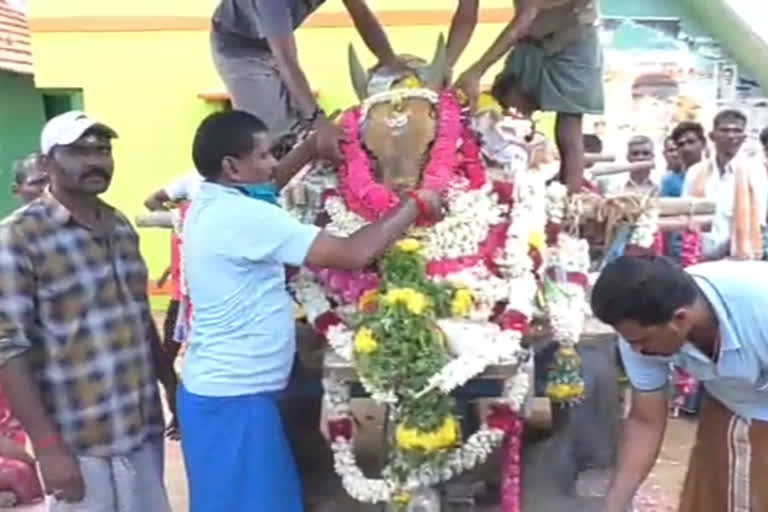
223	134
21	167
764	136
592	143
688	126
640	139
729	115
646	289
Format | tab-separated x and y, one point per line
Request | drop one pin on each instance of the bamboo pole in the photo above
154	220
600	171
595	158
681	222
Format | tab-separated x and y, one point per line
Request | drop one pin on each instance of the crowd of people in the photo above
81	356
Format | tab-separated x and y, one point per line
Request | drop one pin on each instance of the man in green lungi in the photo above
556	65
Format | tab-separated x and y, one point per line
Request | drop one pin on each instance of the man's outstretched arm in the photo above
643	435
462	26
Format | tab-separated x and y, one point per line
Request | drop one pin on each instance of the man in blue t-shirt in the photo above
237	241
672	183
709	320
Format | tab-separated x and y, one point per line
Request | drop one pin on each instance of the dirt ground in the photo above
659	494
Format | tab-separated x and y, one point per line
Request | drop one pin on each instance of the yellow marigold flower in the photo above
415	301
410	82
408	245
565	392
368	300
445	436
538	240
487	103
402	498
365	342
462	302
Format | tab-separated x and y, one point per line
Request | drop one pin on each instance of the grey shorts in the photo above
254	84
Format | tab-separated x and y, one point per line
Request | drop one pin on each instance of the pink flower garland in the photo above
471	160
347	285
369	199
504	418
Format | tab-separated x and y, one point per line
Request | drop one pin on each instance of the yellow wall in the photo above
145	84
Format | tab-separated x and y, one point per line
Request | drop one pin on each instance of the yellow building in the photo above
144	66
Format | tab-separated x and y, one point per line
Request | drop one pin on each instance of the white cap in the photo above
66	128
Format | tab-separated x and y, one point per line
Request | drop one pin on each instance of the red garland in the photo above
502	417
471	160
513	320
497	237
341	427
325	321
691	250
369	199
552	231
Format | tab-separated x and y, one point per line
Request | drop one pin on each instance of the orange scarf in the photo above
746	234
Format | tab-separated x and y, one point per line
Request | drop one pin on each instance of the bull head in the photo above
398	131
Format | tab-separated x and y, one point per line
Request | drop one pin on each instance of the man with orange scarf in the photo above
739	186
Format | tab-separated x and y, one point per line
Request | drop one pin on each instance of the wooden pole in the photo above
681	222
595	158
154	220
599	171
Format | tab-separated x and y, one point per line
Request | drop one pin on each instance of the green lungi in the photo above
569	81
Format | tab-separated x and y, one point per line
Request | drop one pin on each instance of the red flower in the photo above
578	278
503	418
325	321
341	427
513	320
504	191
552	230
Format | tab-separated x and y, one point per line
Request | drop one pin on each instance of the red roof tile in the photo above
15	48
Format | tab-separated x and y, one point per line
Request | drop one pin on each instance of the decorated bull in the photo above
455	298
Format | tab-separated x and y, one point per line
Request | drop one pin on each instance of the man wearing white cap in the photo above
78	347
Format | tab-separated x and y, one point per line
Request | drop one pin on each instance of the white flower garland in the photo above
471	213
472	453
490	345
556	202
344	222
568	307
310	295
644	233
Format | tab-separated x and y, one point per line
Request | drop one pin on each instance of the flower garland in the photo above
565	285
406	325
369	199
407	313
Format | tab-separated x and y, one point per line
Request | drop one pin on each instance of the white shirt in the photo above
721	188
185	187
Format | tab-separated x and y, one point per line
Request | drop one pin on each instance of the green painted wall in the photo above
21	119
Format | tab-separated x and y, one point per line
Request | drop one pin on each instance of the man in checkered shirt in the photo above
78	346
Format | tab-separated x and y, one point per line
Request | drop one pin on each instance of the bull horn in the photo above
434	74
357	74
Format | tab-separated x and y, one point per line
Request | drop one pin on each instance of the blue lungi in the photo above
236	454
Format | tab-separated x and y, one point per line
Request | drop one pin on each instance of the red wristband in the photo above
47	443
425	212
